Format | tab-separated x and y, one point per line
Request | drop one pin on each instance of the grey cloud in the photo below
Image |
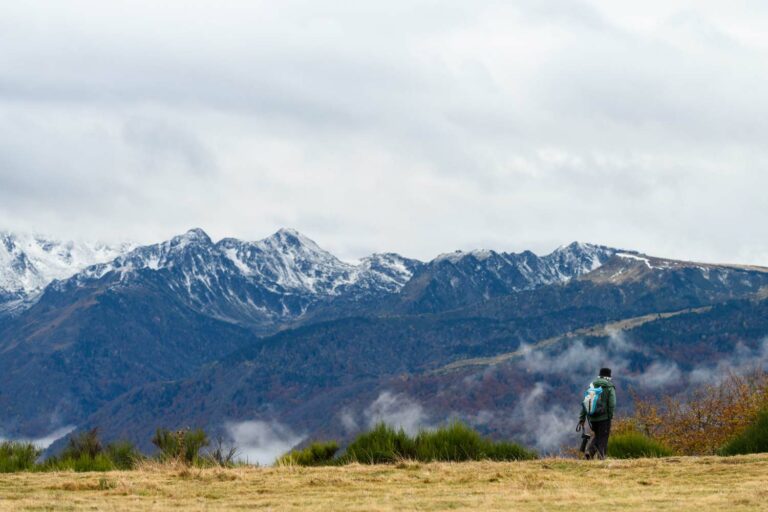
348	421
409	127
162	145
658	375
398	411
46	440
577	359
547	427
262	442
742	360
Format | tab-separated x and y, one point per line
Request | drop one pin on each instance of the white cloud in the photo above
577	359
743	360
262	442
348	421
658	375
545	426
398	411
406	126
46	440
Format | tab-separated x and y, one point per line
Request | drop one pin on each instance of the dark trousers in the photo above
599	444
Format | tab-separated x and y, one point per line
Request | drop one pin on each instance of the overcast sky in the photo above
411	126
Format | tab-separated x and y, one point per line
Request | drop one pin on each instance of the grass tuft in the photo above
316	454
634	445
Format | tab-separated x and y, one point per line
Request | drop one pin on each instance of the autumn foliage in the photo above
706	420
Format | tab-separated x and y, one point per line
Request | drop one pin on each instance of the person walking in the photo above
600	420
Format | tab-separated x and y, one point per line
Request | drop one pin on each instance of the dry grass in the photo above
681	483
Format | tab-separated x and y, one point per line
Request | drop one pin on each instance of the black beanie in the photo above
605	372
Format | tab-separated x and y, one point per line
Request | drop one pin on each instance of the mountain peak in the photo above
291	238
194	235
575	246
459	255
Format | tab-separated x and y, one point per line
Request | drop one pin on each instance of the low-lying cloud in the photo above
398	411
743	360
262	442
547	427
46	440
658	375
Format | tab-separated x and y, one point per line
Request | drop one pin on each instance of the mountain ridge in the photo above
284	275
199	331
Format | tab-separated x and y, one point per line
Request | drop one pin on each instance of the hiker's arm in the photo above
582	415
611	402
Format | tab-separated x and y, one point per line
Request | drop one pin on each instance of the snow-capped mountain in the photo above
280	278
258	283
530	270
461	278
29	263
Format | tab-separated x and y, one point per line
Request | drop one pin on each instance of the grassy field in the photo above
679	483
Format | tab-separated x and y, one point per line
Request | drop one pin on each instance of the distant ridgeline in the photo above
282	336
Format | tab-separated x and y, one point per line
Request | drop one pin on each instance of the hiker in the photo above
598	407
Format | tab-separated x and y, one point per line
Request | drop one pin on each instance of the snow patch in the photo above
634	257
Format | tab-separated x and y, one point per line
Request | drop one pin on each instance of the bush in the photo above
381	445
86	443
703	421
503	450
123	455
181	445
456	442
752	440
222	455
85	452
18	456
316	454
634	445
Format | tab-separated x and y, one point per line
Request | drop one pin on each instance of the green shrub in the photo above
18	456
456	442
84	452
504	450
383	444
123	455
752	440
181	445
316	454
84	443
634	445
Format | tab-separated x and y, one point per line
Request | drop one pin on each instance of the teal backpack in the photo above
595	401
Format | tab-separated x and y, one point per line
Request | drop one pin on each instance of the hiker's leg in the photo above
596	442
602	434
589	452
